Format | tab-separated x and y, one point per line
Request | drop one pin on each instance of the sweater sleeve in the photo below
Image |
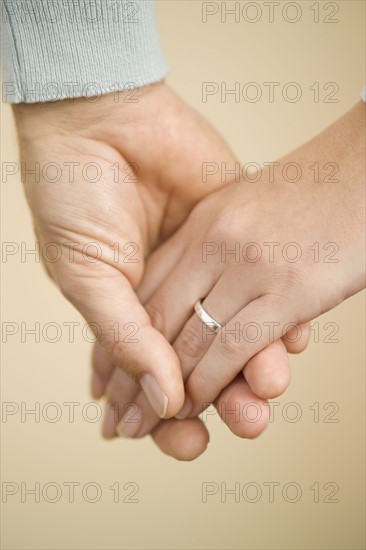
57	49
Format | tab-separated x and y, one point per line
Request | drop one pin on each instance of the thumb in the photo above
122	326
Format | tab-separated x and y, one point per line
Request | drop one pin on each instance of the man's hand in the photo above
118	177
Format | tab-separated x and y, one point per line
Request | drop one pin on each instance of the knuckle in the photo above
119	356
292	275
224	227
189	344
287	278
202	208
231	348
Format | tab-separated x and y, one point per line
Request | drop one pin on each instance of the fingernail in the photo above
186	409
130	423
157	398
110	421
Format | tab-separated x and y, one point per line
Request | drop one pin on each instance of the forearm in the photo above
351	141
340	201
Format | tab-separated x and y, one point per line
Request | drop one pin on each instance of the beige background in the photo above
170	512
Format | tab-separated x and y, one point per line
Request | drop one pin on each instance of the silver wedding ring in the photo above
206	318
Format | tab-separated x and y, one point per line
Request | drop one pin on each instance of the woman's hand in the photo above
306	256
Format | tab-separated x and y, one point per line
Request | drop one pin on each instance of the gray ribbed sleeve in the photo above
53	49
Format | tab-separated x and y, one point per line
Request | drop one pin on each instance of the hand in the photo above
137	211
128	414
147	177
250	296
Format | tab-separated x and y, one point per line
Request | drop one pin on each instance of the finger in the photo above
109	304
226	356
102	371
192	344
267	376
144	420
181	439
221	304
172	304
245	414
160	264
297	339
121	393
268	373
196	337
127	413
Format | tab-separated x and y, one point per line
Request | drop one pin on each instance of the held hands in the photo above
145	210
265	295
146	179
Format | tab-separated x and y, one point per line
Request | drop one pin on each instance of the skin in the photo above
264	291
267	291
175	437
270	291
141	209
145	207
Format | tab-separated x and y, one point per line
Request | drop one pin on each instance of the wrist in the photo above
84	114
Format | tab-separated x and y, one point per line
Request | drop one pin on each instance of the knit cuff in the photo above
57	49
